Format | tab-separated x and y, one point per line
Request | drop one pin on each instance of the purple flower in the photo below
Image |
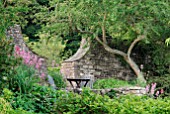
35	58
153	88
157	93
31	63
42	75
147	88
37	66
22	54
17	48
17	51
162	91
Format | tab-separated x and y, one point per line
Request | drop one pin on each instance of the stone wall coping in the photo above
121	91
124	88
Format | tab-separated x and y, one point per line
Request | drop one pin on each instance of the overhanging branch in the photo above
139	38
84	32
107	48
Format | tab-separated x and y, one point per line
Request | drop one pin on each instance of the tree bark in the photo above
135	68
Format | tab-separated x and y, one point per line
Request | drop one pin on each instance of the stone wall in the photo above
101	64
15	33
123	91
118	91
70	69
96	63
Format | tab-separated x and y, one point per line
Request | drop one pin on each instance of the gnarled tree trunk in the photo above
126	56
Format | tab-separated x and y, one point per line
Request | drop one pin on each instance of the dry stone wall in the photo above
123	91
102	64
136	90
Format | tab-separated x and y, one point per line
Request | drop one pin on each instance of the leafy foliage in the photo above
48	47
58	78
40	100
47	100
161	59
110	83
89	103
138	104
125	19
6	108
8	63
86	103
72	43
9	13
38	12
23	80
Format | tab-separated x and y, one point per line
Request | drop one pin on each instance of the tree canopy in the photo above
122	19
125	20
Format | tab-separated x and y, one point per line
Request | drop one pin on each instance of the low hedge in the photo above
44	100
91	103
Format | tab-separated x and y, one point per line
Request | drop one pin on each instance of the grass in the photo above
111	83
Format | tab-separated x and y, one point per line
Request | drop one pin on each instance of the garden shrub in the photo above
20	111
7	94
58	78
44	100
24	79
131	104
8	63
91	103
5	107
86	103
40	100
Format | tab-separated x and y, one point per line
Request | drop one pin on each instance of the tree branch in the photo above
103	30
84	32
139	38
70	23
4	3
107	48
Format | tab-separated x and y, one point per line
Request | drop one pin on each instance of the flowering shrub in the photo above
151	90
162	84
30	59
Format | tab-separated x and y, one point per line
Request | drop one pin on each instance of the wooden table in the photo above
78	82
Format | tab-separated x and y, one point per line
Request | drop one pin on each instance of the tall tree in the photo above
9	11
126	20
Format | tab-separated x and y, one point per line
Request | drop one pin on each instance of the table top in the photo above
78	79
